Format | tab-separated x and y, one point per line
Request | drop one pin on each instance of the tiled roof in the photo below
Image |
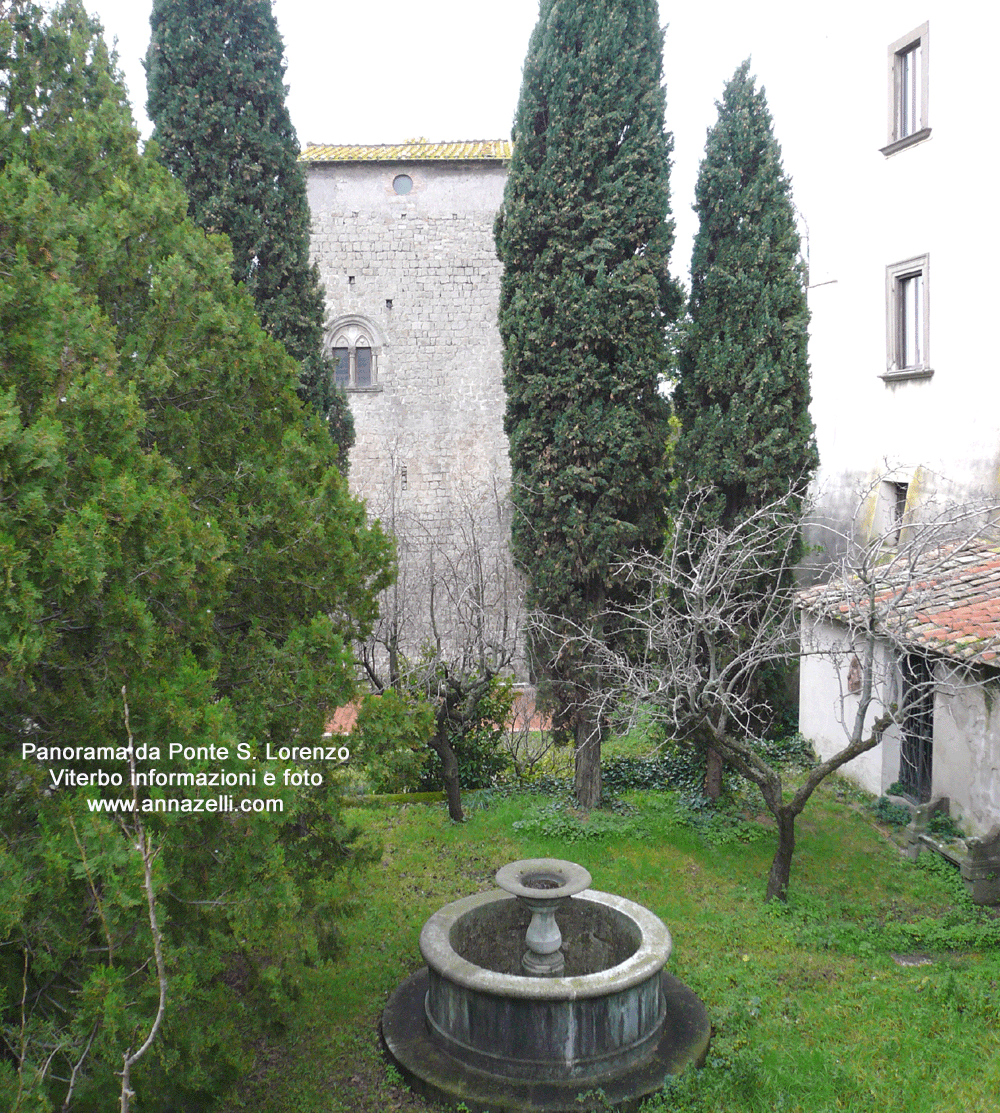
344	718
411	150
947	601
524	714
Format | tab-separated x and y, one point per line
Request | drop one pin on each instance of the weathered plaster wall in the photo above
967	748
826	704
431	454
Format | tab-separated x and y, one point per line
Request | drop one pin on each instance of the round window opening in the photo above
402	183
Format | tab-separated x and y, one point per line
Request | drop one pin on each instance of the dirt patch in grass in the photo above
371	1089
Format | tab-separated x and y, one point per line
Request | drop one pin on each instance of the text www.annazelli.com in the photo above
187	804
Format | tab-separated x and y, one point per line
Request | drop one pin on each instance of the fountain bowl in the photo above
545	878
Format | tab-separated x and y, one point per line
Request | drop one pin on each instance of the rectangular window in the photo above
908	89
363	366
341	367
911	320
908	93
916	754
907	332
893	496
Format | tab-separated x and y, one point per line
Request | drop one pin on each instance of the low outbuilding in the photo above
924	628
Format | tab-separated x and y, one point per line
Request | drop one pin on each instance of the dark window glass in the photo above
916	752
363	367
911	320
908	92
341	367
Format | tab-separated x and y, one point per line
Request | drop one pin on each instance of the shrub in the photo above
893	815
390	740
477	743
942	825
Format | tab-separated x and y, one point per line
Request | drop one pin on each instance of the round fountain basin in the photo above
472	1030
602	1016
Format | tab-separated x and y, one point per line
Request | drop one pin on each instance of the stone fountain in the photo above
543	995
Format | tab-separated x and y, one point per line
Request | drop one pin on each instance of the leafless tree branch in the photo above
148	855
719	604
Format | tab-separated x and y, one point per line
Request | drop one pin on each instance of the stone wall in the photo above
416	275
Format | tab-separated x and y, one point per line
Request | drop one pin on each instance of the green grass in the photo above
811	1011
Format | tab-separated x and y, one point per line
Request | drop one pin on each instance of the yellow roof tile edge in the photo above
475	150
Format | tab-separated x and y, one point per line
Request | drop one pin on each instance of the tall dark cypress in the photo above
743	391
584	238
742	395
216	97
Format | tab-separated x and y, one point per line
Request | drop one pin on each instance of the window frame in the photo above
352	334
894	496
898	327
899	138
335	351
917	691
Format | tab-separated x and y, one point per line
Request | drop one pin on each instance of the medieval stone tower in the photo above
403	236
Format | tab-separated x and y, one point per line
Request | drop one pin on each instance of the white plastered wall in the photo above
827	707
967	747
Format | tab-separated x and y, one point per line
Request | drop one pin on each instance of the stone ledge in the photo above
978	859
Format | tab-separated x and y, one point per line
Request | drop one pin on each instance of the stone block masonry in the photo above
416	277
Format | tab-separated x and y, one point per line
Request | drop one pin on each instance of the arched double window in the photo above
354	345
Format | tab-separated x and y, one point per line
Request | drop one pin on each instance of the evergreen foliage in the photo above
172	523
742	395
217	100
584	238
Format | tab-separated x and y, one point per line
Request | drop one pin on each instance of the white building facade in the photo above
905	377
906	390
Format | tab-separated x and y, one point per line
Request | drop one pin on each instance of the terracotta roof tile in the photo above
953	611
411	150
344	719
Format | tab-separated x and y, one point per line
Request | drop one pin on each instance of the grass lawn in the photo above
876	988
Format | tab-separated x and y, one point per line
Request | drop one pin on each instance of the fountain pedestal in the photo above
543	885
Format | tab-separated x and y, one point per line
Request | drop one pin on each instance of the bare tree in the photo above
702	633
452	622
529	738
902	564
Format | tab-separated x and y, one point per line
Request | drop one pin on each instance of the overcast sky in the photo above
451	69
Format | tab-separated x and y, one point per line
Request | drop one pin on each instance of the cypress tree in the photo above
584	238
174	532
217	99
742	395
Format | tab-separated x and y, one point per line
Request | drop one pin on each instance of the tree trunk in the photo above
449	770
781	865
394	673
713	774
587	768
